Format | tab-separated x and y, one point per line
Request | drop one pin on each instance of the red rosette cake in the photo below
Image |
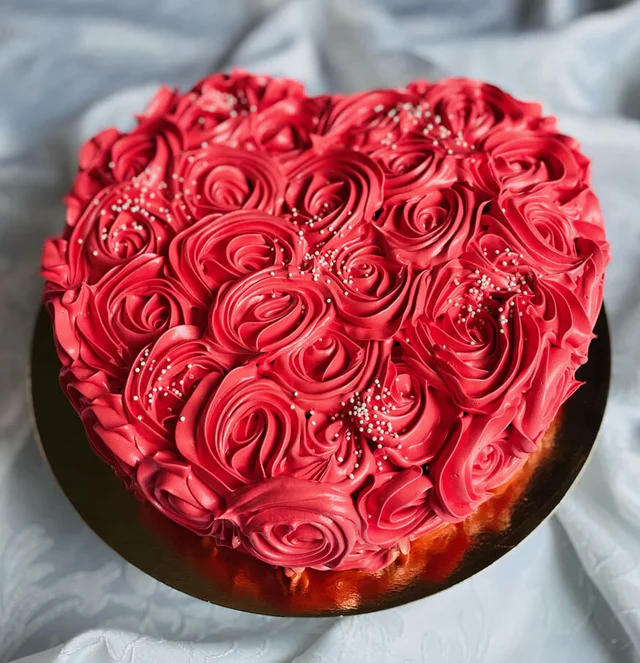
317	328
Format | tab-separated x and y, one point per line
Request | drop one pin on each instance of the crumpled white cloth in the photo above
572	590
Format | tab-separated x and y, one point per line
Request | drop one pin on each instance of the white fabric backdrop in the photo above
572	590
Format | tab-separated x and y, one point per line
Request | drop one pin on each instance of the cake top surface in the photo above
317	328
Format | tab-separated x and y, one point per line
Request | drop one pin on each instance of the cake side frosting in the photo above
318	328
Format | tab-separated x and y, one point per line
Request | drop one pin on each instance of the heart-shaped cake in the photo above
318	328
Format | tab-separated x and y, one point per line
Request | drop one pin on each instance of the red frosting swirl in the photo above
219	179
413	412
316	328
106	325
268	311
525	161
432	229
484	341
243	430
222	108
163	377
372	292
224	248
534	228
395	506
334	451
552	385
412	168
122	222
285	129
295	523
557	308
326	368
113	437
330	194
171	486
463	112
144	154
367	120
560	315
477	458
82	384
